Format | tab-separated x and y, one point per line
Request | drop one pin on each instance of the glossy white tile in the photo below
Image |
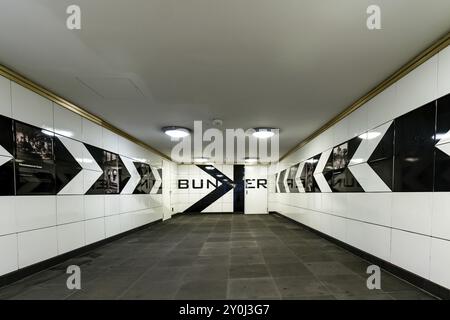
67	123
37	245
7	216
412	212
34	212
411	251
5	97
95	230
70	237
69	208
94	206
31	108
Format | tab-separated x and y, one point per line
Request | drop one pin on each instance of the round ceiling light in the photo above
201	160
251	160
176	132
263	133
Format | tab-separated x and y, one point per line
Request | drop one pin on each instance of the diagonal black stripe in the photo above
210	198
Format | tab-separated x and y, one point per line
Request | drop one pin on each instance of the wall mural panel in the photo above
35	161
409	154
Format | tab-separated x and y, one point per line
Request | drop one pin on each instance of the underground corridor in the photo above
216	256
224	158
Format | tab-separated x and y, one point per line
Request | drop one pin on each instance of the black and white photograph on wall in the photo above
124	175
344	181
34	164
111	173
33	144
340	156
147	181
35	179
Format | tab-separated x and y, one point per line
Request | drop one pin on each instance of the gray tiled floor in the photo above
216	256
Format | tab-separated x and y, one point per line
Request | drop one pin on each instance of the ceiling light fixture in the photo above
176	132
369	135
201	160
263	133
250	160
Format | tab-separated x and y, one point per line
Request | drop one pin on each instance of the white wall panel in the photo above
8	249
381	108
444	72
373	239
95	230
371	207
110	141
31	108
37	245
67	123
69	209
440	262
112	225
94	206
441	215
7	215
417	88
411	251
92	133
412	212
5	97
70	237
112	204
34	212
357	122
340	132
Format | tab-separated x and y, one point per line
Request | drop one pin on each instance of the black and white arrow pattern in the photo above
318	173
359	165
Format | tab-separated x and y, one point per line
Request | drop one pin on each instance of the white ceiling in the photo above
142	65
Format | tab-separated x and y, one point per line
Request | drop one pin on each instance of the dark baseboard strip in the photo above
422	283
43	265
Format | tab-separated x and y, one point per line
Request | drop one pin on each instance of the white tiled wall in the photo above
411	230
184	198
5	97
35	228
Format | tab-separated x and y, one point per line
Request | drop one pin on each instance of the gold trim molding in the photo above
425	55
19	79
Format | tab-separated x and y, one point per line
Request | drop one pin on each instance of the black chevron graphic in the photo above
6	136
280	181
292	184
310	183
123	174
385	148
147	181
226	185
6	176
66	165
99	186
442	159
414	150
382	158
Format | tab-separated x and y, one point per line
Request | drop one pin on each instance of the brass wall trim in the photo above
21	80
439	45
